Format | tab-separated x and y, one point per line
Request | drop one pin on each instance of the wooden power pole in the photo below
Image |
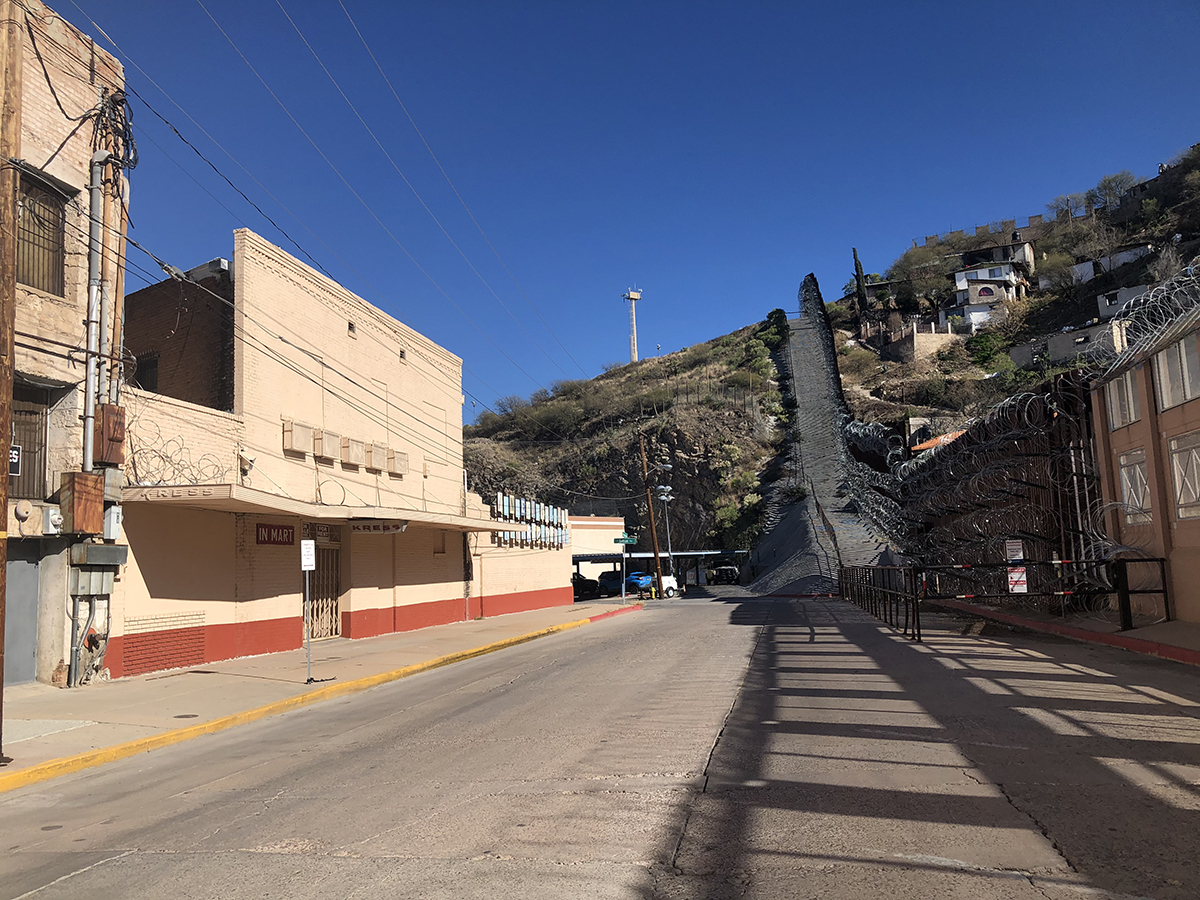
11	49
650	507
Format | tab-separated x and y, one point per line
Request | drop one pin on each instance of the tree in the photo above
860	284
1111	188
1073	204
510	404
919	277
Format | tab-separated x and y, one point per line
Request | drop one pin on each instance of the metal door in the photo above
20	627
326	621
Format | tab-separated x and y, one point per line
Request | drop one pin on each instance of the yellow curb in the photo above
66	765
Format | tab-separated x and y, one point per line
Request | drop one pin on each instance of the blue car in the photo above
609	584
638	581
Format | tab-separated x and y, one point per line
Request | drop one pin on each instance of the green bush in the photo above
984	345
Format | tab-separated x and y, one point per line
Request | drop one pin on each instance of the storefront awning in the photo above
236	498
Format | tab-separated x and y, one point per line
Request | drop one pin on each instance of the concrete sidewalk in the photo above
48	729
1179	641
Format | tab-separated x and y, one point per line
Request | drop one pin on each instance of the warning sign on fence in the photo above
1017	582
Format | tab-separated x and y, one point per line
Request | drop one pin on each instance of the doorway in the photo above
20	633
324	587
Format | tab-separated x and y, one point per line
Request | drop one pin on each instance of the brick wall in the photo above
192	334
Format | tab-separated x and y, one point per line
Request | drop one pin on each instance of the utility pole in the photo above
633	297
11	52
650	508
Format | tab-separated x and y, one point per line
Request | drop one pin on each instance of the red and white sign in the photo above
1017	581
274	534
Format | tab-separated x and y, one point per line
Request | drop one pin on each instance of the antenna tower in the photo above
633	296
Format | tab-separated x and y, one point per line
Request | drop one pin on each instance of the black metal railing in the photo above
1060	587
891	593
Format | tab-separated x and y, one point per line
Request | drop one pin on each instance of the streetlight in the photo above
646	470
665	495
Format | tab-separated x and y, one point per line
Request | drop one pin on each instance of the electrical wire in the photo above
375	290
363	202
446	175
411	188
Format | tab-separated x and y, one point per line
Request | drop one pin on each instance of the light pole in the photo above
646	470
665	495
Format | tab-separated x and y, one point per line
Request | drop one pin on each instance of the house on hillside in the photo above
1017	251
1110	303
1086	269
981	288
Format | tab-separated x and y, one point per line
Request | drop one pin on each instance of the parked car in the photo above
585	588
641	582
726	575
609	584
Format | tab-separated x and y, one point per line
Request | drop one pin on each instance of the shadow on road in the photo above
855	763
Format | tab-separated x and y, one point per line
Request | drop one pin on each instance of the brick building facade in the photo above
65	78
285	407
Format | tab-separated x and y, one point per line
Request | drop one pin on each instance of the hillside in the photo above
713	411
965	379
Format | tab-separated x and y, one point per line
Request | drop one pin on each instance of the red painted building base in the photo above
138	654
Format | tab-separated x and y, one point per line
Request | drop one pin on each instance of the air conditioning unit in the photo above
297	437
326	444
397	462
377	457
354	453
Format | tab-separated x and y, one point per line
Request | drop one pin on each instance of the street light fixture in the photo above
646	470
665	495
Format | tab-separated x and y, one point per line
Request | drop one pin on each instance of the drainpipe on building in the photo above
118	325
95	207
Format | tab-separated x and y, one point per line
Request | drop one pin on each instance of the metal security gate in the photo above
20	636
326	620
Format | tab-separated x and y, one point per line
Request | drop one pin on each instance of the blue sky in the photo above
710	153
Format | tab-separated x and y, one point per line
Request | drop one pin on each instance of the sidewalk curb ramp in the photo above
1124	642
67	765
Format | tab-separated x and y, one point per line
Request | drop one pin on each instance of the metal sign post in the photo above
624	540
308	562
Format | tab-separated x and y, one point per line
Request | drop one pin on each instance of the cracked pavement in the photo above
720	746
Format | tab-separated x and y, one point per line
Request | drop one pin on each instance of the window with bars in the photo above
41	253
1135	488
1185	467
1177	372
1121	395
29	417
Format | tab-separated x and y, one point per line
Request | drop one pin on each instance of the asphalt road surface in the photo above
705	748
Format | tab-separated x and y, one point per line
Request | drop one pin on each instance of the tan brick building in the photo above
274	406
65	79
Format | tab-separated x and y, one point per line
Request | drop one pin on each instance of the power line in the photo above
434	370
424	443
411	188
446	175
359	197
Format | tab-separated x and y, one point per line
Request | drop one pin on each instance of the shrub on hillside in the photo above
854	362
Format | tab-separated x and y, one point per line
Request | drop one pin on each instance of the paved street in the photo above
704	748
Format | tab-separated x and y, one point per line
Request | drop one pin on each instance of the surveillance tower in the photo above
633	296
